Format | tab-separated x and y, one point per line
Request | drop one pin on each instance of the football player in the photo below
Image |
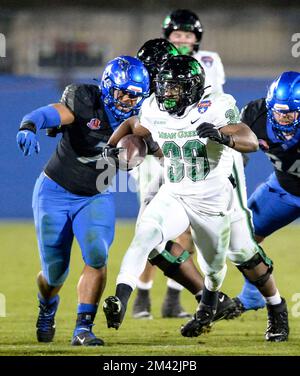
184	30
276	122
196	193
153	54
68	199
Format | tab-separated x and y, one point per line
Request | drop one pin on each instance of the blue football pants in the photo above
59	215
272	207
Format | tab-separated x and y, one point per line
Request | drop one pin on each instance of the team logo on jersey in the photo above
94	124
203	106
207	60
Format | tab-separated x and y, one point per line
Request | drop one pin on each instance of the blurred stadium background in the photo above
49	45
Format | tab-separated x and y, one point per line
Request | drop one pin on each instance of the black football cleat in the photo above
114	312
200	323
86	338
227	308
278	324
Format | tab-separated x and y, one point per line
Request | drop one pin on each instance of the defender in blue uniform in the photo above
276	203
68	199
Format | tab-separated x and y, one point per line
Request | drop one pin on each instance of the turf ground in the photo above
244	336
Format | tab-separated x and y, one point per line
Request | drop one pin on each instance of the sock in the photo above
143	294
87	308
85	317
273	300
123	292
48	302
172	294
144	285
174	285
86	313
198	296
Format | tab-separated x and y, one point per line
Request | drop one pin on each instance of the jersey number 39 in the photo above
190	160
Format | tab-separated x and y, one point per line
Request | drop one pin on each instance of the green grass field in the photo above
244	336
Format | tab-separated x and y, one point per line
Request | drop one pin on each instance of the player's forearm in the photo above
125	128
41	118
242	138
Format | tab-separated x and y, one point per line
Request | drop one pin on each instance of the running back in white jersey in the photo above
194	168
213	68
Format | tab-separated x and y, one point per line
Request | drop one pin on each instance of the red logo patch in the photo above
94	124
203	106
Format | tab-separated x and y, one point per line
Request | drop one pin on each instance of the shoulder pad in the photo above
76	97
253	110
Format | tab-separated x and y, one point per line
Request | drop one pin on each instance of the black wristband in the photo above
28	126
228	140
151	145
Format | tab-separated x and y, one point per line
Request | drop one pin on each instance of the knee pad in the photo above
259	257
168	262
96	255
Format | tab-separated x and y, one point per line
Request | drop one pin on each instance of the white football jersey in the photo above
213	68
197	168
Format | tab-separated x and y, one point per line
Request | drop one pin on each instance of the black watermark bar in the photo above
131	365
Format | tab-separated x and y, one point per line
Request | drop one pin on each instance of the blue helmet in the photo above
284	96
127	74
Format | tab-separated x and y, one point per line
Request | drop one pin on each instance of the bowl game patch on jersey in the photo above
203	106
207	60
94	124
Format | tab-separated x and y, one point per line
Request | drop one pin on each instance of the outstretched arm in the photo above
51	116
237	136
242	137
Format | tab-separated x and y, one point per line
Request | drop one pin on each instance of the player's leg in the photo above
242	234
93	226
271	210
54	234
211	234
257	270
171	305
156	226
150	178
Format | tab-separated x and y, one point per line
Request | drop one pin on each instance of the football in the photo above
133	153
